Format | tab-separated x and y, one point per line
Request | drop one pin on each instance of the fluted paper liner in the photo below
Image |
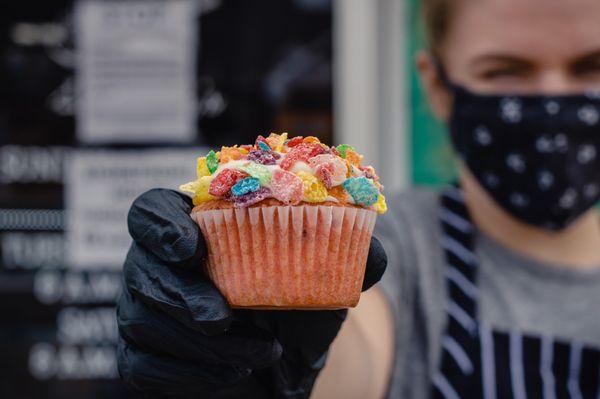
288	257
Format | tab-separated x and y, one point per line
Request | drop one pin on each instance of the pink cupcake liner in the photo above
288	257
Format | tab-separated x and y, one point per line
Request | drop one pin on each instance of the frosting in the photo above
300	169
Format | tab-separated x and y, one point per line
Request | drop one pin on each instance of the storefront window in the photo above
99	101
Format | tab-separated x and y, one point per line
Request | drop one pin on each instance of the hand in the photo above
178	336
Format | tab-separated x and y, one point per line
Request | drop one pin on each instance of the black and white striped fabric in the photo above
481	362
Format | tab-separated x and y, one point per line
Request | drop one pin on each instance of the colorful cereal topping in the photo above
291	170
287	187
245	186
362	190
224	181
212	163
314	190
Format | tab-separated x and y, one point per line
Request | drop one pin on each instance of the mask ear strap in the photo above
441	71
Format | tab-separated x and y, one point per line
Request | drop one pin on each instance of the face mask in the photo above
537	156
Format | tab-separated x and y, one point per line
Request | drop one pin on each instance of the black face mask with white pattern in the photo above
536	155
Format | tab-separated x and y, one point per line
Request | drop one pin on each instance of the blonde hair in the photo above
436	18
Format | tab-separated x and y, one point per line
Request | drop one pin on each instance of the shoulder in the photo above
413	283
409	233
412	217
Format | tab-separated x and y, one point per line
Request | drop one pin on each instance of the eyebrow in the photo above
499	58
586	58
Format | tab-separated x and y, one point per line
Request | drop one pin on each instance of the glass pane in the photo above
99	101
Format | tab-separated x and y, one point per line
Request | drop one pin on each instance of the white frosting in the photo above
356	172
301	166
231	165
272	168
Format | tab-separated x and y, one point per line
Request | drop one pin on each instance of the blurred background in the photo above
101	100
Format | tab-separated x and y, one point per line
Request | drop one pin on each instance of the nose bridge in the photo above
556	79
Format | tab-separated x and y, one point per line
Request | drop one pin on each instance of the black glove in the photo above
178	336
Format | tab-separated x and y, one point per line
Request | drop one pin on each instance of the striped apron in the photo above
479	361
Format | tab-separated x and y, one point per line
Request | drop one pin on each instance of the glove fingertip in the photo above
376	264
160	220
137	215
209	310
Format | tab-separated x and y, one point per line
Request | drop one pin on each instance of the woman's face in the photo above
518	46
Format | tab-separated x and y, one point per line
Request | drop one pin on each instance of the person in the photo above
492	286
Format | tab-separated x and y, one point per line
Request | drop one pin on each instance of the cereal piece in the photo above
276	141
324	173
311	139
191	187
326	148
223	182
287	187
294	141
232	154
353	157
257	171
212	162
201	168
264	146
245	186
202	194
292	157
199	189
369	172
342	148
330	169
301	152
381	206
252	198
361	190
313	189
339	193
263	157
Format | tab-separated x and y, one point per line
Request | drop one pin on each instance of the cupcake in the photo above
287	222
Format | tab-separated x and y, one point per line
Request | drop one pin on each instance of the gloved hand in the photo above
178	337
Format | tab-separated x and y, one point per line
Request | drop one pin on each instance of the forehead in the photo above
545	29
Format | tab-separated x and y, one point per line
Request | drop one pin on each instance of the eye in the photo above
505	72
588	68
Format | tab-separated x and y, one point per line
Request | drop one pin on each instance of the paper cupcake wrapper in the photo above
288	257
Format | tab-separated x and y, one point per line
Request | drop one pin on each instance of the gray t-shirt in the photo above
515	292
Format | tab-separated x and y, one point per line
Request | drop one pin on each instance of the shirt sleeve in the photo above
413	284
399	283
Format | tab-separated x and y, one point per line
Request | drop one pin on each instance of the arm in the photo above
361	357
